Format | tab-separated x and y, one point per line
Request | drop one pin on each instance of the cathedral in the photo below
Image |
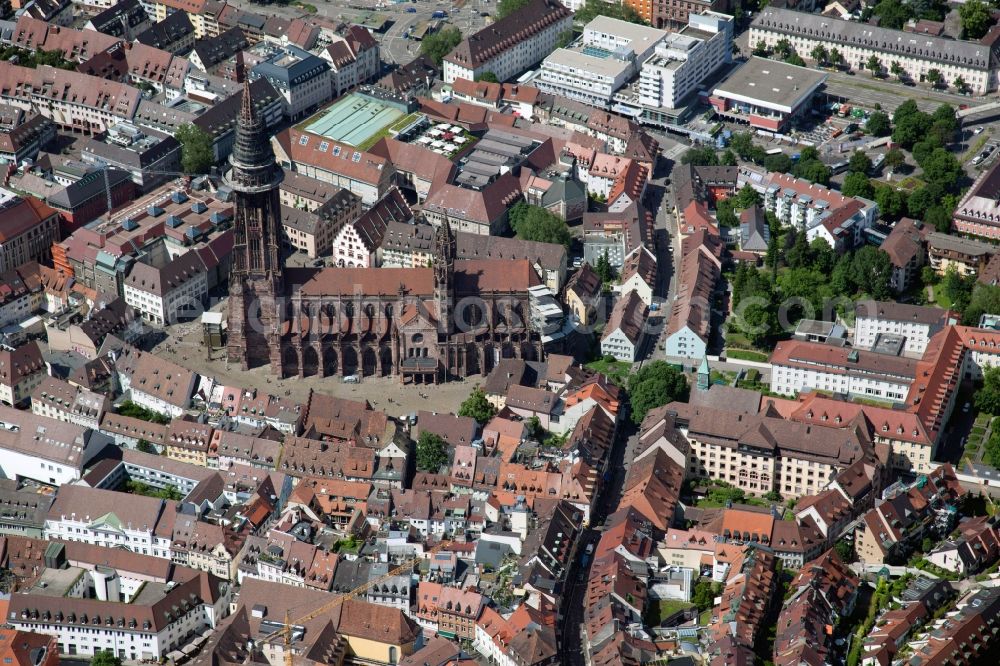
423	325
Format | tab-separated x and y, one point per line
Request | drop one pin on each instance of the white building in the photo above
798	366
58	399
915	323
511	45
161	295
22	369
606	57
353	58
623	334
133	618
820	211
112	519
301	78
43	449
161	386
917	54
685	59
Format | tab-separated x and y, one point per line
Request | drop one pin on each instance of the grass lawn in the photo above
746	355
657	611
616	371
705	618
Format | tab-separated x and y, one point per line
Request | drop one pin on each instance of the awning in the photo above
189	649
175	655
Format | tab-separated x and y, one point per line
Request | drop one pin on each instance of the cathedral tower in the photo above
256	281
444	274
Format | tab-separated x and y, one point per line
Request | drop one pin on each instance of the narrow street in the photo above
572	649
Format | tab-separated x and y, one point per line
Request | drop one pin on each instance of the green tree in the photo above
878	124
919	201
910	129
507	7
653	385
985	299
942	169
893	14
594	8
795	59
761	49
477	407
820	54
146	447
934	77
196	149
440	44
857	184
813	170
432	452
960	84
957	289
704	156
872	272
746	198
891	202
704	594
535	223
131	409
894	158
105	658
489	77
859	163
564	39
835	57
874	65
605	270
897	70
976	17
988	397
845	550
938	217
783	48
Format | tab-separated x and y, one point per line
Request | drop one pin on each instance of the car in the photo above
589	549
350	379
966	407
978	130
411	10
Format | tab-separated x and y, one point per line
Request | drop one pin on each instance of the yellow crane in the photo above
286	630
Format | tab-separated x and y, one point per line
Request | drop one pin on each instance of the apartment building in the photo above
58	399
353	58
907	253
625	331
162	386
818	210
23	134
967	256
690	323
914	323
683	60
22	369
111	519
510	45
188	441
916	53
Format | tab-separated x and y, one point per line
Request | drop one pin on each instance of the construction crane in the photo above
286	629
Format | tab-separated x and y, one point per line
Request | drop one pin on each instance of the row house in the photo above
965	636
228	447
22	370
448	611
60	400
889	531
